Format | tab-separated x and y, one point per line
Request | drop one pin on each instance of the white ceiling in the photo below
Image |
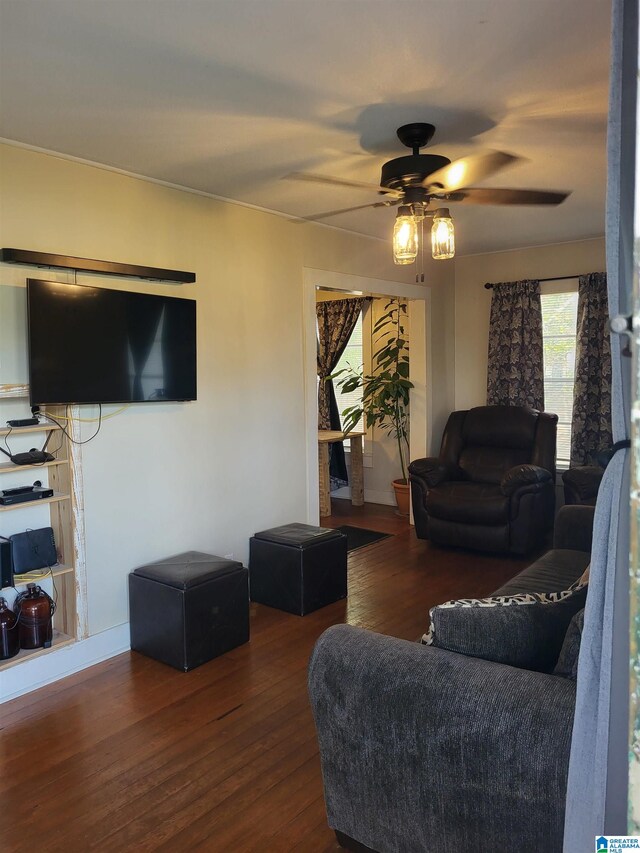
227	96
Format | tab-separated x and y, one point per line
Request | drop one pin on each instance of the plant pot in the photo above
401	488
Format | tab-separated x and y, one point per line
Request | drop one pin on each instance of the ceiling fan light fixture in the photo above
418	180
443	240
405	236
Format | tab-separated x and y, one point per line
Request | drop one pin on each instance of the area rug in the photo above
358	537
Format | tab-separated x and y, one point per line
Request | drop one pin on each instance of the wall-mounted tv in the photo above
93	345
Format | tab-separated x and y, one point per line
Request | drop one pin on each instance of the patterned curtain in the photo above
591	421
515	375
336	321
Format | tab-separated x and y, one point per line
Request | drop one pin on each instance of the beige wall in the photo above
473	302
160	479
204	475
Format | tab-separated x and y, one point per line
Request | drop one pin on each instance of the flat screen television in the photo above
93	345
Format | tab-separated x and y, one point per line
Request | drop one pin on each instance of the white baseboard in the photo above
371	496
32	674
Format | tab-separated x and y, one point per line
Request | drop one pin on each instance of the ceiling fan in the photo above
416	181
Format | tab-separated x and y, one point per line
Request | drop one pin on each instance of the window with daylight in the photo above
559	321
351	357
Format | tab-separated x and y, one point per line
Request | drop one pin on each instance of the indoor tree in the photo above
385	391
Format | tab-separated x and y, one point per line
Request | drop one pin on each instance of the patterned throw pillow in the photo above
526	630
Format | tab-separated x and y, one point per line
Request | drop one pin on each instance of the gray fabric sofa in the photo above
425	749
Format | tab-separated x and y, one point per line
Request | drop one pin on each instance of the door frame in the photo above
419	313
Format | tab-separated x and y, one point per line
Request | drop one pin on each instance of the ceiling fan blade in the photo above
468	170
316	216
341	182
486	195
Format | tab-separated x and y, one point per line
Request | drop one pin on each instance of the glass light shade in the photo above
405	236
443	243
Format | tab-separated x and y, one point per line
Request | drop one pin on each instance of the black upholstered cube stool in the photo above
188	609
298	568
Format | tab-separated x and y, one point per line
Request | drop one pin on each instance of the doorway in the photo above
418	301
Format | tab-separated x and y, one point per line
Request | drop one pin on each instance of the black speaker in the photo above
6	563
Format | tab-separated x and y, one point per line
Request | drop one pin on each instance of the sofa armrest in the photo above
574	528
583	481
523	475
428	471
418	743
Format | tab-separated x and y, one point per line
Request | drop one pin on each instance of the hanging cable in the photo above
66	431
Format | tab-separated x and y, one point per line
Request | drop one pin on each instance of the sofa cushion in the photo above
553	572
567	665
525	630
468	503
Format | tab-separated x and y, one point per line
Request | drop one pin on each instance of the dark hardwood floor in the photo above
132	755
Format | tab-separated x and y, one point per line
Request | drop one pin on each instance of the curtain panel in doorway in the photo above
336	321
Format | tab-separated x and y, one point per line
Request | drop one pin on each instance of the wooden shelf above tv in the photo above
70	262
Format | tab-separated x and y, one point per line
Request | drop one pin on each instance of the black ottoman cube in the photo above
298	568
188	609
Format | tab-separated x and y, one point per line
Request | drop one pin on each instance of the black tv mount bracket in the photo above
33	456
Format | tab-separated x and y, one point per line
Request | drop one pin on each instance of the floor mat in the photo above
358	537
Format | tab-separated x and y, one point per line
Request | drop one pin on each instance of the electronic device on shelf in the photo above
19	490
109	346
31	457
22	494
23	423
6	564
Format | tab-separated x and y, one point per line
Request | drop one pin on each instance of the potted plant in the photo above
385	391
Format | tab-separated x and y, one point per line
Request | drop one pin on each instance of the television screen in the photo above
92	345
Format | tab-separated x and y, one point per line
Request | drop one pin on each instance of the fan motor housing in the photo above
413	169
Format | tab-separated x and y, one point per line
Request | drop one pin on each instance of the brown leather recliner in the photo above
492	488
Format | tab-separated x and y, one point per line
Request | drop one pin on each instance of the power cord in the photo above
64	429
37	411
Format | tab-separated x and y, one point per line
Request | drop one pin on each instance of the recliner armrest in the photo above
408	733
429	470
523	475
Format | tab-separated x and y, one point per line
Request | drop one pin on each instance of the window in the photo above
559	321
351	357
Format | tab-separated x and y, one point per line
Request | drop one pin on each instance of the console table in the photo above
325	438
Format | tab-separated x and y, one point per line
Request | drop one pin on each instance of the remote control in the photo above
18	490
24	422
